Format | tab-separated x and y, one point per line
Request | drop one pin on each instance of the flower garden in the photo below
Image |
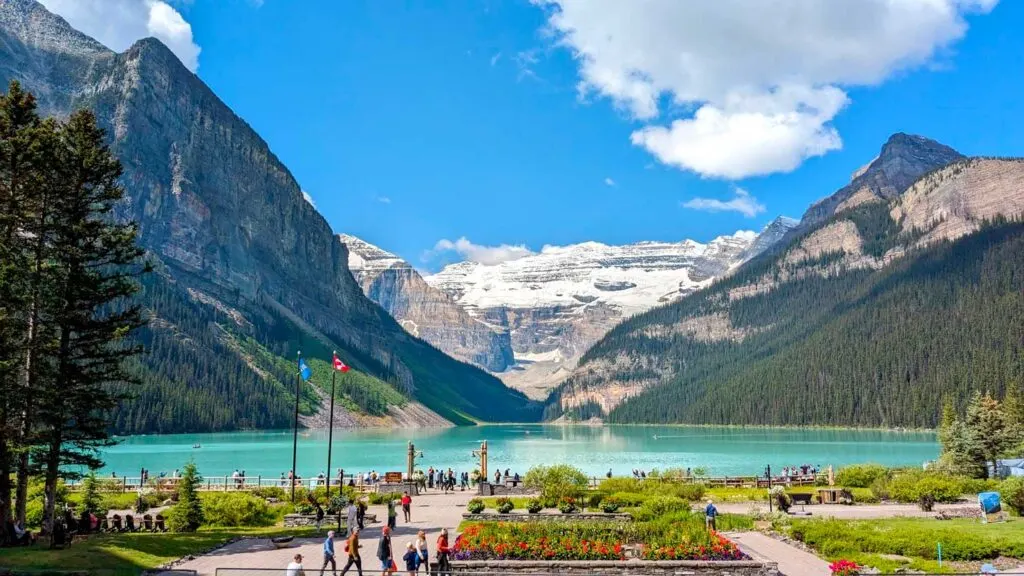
681	537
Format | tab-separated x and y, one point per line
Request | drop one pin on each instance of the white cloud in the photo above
495	59
608	181
120	23
748	137
383	199
308	198
742	202
482	254
525	61
768	75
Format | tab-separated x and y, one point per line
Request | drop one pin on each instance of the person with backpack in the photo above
352	548
392	514
384	553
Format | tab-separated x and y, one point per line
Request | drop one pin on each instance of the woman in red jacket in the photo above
443	566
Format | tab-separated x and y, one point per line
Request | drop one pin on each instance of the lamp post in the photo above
768	473
330	435
295	431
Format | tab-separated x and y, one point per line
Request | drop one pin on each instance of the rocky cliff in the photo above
425	311
223	215
903	159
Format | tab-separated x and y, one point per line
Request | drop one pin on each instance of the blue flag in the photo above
304	370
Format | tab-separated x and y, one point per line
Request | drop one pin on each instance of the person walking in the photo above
384	553
319	514
407	506
411	559
443	566
360	513
710	513
295	567
351	521
352	547
421	551
329	554
392	514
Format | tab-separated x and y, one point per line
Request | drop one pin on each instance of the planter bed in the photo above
548	517
616	567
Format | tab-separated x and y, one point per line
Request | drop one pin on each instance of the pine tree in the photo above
987	430
19	169
95	265
90	493
187	514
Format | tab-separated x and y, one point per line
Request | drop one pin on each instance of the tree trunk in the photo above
28	376
50	485
5	484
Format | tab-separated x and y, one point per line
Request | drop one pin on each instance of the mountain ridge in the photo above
235	234
786	320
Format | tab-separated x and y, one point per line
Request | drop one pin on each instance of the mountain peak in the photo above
36	27
366	257
902	160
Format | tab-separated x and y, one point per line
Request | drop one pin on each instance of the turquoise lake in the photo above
724	451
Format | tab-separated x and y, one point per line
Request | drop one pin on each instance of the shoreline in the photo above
585	424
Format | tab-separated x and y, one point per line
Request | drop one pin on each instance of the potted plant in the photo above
475	506
567	505
505	505
534	506
610	505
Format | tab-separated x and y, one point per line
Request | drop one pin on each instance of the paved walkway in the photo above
430	512
792	561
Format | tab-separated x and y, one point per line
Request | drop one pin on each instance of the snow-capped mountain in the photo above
555	304
423	310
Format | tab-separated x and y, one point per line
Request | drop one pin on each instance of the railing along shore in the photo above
228	483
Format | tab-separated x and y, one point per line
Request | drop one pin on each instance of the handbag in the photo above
393	568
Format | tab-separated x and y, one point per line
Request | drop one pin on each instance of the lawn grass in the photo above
966	543
722	494
130	554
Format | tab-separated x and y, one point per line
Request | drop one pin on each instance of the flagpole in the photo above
330	432
295	432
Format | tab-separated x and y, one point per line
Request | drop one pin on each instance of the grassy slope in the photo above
129	553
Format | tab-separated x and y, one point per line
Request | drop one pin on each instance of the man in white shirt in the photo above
295	567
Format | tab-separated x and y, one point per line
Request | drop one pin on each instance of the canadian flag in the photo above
339	365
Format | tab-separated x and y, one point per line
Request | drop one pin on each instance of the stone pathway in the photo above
430	512
792	561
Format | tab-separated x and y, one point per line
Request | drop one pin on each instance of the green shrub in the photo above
659	506
594	500
613	485
270	492
1011	491
924	488
235	509
977	485
691	492
475	506
860	475
880	489
557	482
534	506
35	500
505	505
567	505
630	499
380	498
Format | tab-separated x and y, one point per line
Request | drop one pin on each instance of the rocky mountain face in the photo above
557	303
903	159
224	217
425	311
851	273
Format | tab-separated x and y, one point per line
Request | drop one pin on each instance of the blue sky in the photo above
513	123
